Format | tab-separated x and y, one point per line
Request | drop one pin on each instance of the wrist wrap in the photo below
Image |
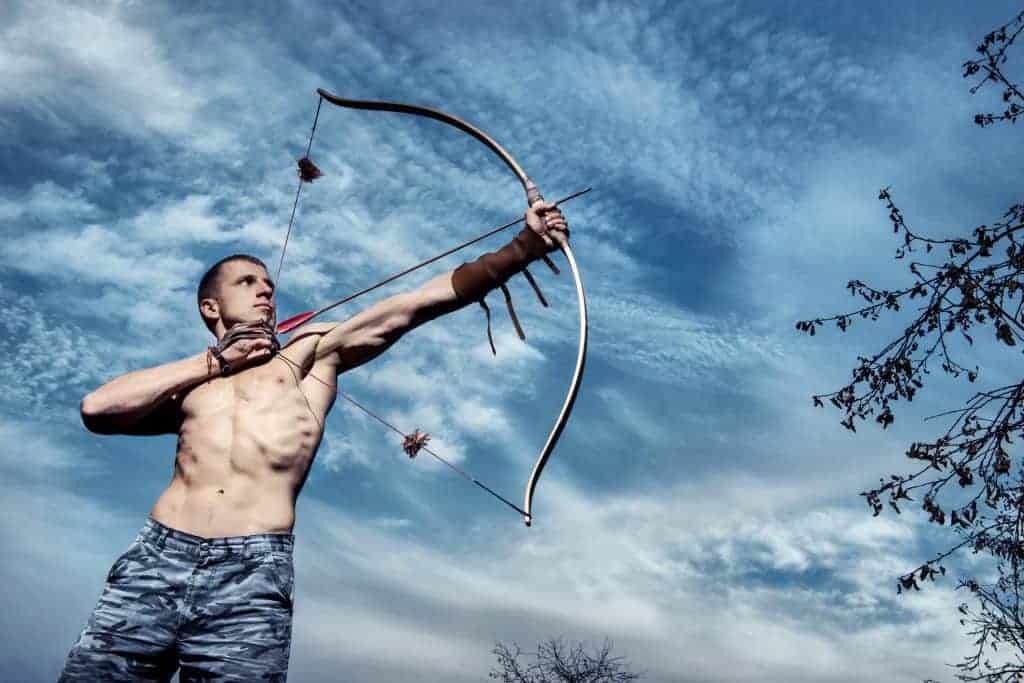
473	280
225	367
254	330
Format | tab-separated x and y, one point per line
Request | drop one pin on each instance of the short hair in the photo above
210	282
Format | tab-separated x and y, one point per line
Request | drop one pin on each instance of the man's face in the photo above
246	293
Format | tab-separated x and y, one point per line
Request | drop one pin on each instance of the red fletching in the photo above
286	326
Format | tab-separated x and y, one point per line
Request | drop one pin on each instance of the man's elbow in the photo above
93	416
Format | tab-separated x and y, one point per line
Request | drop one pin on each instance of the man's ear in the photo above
209	308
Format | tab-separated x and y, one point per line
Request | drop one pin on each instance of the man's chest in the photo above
273	390
252	388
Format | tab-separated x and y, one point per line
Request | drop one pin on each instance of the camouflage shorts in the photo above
220	608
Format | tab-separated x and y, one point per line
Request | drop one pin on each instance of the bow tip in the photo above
528	520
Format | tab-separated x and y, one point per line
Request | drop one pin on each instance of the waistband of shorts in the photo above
162	536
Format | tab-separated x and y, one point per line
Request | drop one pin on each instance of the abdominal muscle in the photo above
244	448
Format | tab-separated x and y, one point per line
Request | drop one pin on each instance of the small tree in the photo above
556	662
967	476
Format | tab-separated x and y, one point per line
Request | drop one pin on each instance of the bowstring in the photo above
298	191
465	475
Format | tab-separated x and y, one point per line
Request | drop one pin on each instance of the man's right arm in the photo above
145	402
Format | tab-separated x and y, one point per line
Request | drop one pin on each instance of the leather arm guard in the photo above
473	280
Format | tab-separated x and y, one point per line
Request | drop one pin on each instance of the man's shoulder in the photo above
307	332
301	350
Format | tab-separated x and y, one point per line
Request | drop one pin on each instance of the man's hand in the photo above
246	344
546	230
547	220
245	352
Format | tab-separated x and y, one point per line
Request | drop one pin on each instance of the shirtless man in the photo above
207	585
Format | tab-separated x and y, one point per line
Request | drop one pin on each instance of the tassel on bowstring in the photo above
414	442
308	171
512	312
551	265
490	339
536	288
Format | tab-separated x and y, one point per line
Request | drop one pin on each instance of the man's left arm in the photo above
369	333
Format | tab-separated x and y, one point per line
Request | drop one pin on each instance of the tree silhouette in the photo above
556	662
968	477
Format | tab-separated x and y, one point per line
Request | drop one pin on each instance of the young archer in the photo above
207	585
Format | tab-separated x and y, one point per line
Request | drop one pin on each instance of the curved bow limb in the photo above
574	387
532	197
532	194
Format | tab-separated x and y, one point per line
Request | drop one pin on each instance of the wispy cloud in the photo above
697	511
106	72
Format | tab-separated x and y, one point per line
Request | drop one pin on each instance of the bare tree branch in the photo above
969	476
557	662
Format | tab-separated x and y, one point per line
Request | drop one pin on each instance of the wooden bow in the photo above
532	197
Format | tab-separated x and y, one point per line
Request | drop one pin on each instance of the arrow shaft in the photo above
344	300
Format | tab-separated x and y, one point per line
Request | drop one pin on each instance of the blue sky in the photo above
699	512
